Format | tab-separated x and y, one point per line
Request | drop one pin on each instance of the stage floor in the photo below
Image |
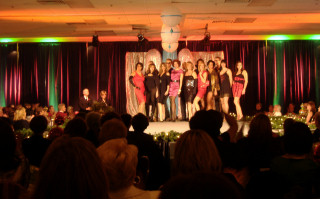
182	126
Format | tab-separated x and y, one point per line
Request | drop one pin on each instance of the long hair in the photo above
71	169
155	71
195	151
236	70
161	71
313	106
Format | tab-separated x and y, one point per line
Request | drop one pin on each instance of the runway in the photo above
182	126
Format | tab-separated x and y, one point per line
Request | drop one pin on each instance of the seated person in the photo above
299	172
277	110
103	98
119	160
36	146
62	111
291	109
159	170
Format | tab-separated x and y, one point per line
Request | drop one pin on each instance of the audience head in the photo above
38	125
270	108
93	121
109	116
70	109
62	107
260	129
140	122
208	121
76	128
51	109
119	161
112	129
20	113
287	123
298	139
291	108
127	120
71	169
311	107
200	185
39	111
196	151
258	106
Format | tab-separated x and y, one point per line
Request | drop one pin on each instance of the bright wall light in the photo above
7	40
279	37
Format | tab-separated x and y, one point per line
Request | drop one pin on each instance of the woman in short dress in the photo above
151	82
175	86
225	86
137	80
203	83
240	82
214	85
190	83
164	77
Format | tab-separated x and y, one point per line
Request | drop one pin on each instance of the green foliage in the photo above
24	133
170	136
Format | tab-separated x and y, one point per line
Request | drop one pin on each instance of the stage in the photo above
182	126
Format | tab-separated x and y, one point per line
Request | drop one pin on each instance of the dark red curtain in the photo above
50	73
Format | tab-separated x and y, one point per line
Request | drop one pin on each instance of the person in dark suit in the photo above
85	101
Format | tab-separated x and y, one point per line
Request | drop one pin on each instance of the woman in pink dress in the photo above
175	86
137	80
203	83
239	86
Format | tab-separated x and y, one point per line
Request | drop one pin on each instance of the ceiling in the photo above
119	20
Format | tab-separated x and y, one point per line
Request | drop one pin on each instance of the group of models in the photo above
199	87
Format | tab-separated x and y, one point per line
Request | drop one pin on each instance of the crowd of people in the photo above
97	156
202	86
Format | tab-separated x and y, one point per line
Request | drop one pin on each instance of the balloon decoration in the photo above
185	55
155	56
171	16
170	47
170	34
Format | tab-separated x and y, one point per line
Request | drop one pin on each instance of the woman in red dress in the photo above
203	83
137	80
239	86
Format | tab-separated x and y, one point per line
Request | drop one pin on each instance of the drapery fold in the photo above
280	72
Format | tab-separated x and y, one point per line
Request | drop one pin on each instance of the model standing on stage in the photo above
137	80
239	86
164	77
203	83
190	84
175	87
225	86
152	84
214	85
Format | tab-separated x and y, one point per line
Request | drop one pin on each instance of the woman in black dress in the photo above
151	84
225	86
190	84
214	85
164	86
